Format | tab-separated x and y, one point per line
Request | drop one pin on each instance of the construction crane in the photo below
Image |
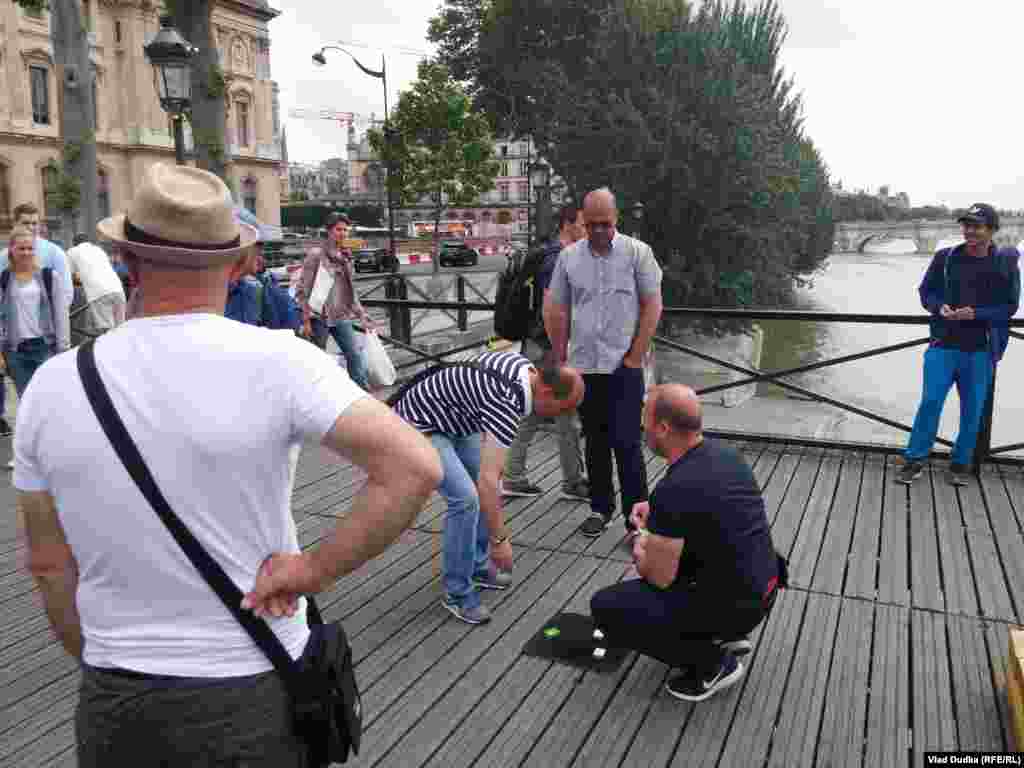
360	121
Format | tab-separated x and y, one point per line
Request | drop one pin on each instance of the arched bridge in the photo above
855	235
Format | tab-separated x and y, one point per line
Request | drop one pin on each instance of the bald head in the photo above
600	202
678	406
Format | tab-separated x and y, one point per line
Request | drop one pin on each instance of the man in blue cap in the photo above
971	290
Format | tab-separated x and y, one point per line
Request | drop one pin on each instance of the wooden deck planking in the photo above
925	572
835	680
837	537
887	738
862	567
842	734
892	562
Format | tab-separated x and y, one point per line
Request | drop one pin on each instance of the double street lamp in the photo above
171	54
320	60
540	180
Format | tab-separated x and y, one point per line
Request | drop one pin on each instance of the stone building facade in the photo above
132	131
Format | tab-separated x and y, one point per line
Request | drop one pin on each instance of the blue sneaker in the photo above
693	686
478	615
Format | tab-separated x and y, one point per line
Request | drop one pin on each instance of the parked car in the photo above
372	260
458	254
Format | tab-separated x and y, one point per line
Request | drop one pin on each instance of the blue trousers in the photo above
466	538
25	361
345	337
972	374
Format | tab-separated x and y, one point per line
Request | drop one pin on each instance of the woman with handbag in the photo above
36	325
328	298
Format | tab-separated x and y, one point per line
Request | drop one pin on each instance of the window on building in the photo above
40	88
504	169
504	150
242	123
523	192
103	194
49	178
117	31
503	192
249	193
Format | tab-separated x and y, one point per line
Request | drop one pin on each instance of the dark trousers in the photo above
228	723
673	626
610	413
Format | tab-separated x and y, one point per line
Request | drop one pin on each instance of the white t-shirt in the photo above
28	299
216	408
93	266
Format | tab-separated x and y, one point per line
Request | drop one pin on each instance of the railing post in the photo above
984	443
460	283
401	326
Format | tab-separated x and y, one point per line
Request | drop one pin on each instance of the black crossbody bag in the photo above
326	708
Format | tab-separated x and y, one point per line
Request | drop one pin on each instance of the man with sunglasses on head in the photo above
971	290
600	311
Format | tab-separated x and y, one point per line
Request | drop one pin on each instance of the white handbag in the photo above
322	286
380	371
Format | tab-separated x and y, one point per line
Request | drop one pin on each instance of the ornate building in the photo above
132	131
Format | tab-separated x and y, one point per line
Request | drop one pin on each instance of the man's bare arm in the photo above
657	558
556	324
492	464
53	566
403	470
647	325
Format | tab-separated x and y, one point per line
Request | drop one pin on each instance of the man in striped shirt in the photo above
471	412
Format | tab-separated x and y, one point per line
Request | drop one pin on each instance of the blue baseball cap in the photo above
264	232
981	213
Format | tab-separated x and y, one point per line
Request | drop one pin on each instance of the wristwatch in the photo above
497	541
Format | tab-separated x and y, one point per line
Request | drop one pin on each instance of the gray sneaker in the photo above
493	579
578	491
958	474
910	472
481	614
519	488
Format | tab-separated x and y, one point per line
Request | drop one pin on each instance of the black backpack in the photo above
519	299
398	394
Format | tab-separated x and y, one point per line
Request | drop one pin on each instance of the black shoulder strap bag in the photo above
322	687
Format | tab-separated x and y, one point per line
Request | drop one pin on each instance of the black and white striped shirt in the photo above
460	401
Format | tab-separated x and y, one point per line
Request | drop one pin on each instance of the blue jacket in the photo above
243	302
1000	298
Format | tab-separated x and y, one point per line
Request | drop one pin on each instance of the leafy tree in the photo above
439	148
687	111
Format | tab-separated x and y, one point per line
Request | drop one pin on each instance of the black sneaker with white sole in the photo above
595	525
692	686
520	488
910	472
5	427
737	646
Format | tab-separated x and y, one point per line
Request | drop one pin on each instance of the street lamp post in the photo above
320	60
170	54
540	178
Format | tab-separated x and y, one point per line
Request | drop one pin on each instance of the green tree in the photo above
439	148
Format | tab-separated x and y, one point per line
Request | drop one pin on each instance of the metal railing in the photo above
984	450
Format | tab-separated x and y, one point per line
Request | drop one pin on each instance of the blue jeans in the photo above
25	360
972	373
466	538
345	337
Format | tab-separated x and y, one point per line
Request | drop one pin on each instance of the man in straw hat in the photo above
214	407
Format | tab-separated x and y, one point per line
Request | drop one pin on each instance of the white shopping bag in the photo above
379	369
321	289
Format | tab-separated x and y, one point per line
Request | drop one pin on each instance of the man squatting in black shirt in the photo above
704	553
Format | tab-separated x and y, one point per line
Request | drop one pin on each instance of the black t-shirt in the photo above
975	274
710	498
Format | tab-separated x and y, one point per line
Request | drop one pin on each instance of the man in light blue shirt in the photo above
26	216
601	310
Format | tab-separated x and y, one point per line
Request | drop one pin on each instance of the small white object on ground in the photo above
599	653
598	634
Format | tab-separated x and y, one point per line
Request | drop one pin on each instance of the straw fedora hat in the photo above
180	216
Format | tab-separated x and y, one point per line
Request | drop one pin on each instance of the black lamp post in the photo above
170	55
540	179
320	60
638	212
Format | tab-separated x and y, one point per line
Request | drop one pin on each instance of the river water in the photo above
889	384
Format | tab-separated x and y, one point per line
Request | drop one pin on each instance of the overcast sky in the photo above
923	96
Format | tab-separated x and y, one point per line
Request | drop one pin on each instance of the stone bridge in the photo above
855	235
